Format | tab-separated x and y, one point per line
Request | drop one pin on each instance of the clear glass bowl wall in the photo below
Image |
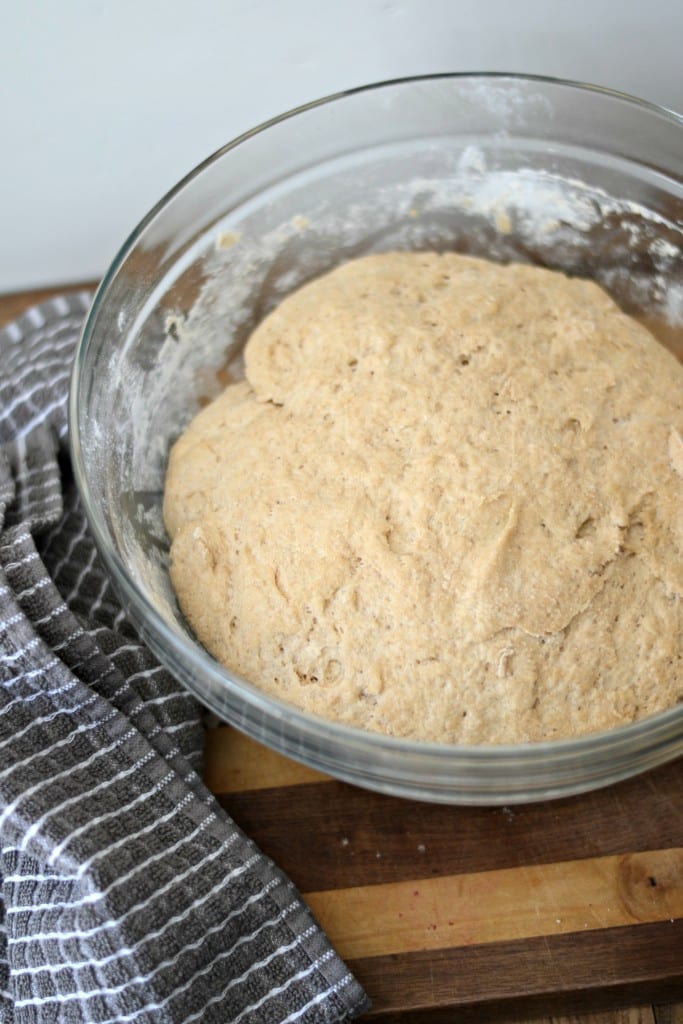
509	168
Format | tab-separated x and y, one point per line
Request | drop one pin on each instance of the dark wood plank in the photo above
534	977
355	837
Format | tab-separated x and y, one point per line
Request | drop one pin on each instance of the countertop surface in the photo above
565	911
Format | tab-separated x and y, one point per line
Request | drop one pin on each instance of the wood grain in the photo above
610	968
363	838
637	1015
478	914
490	906
240	764
668	1014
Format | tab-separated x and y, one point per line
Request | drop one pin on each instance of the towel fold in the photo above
128	894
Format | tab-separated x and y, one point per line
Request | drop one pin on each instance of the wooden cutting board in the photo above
497	913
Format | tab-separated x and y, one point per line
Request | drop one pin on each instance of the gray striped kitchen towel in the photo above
127	892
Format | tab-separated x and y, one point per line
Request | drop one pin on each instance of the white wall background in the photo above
104	104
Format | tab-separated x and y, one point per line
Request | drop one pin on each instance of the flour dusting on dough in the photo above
441	505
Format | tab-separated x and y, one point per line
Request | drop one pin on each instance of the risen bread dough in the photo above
445	504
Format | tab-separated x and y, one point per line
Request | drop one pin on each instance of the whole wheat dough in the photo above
444	504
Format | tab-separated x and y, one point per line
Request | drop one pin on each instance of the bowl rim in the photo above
488	76
659	728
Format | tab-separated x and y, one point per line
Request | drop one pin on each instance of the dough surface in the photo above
445	504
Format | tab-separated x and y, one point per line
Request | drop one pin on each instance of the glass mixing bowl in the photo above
512	168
